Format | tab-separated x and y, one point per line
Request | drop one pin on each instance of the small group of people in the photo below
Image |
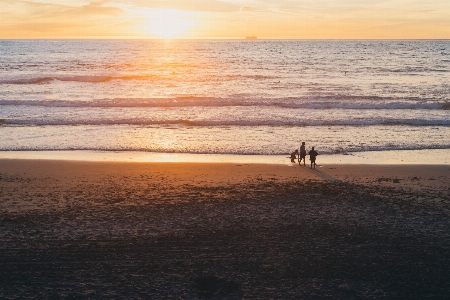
302	155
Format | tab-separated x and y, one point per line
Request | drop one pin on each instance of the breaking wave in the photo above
78	78
221	123
44	79
323	151
322	102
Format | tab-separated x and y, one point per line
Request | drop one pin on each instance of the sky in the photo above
211	19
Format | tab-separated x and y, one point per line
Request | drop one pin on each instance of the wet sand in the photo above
402	157
222	230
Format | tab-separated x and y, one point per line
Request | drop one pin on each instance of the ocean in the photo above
235	97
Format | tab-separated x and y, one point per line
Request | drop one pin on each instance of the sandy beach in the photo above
79	229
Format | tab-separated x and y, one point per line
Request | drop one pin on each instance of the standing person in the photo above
302	154
312	157
294	155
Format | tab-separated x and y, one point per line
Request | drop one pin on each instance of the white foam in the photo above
350	103
400	157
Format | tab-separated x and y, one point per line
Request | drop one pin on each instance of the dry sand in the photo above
223	231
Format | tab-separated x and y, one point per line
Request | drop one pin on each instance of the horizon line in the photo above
227	38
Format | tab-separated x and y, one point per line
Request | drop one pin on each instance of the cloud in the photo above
97	8
252	9
229	18
30	19
194	5
55	10
60	2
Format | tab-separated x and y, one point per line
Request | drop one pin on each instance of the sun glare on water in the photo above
168	23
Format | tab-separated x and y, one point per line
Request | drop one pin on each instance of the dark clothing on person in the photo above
294	156
312	157
302	154
302	151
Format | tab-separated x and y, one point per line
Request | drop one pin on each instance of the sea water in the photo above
238	97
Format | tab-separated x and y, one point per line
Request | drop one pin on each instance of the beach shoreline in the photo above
222	230
397	157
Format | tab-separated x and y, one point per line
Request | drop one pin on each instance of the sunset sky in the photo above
279	19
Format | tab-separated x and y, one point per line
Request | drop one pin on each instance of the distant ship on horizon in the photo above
251	37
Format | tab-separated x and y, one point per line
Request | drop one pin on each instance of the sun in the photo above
167	23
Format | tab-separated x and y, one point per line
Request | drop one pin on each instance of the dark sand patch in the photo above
140	236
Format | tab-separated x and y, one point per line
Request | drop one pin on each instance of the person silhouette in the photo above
312	157
294	155
302	154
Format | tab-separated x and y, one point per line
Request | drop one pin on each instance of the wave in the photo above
323	151
75	78
314	102
223	123
408	70
384	148
43	79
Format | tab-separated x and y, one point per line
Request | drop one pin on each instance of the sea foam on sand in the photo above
428	156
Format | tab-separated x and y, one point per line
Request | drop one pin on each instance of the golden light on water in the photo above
167	23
